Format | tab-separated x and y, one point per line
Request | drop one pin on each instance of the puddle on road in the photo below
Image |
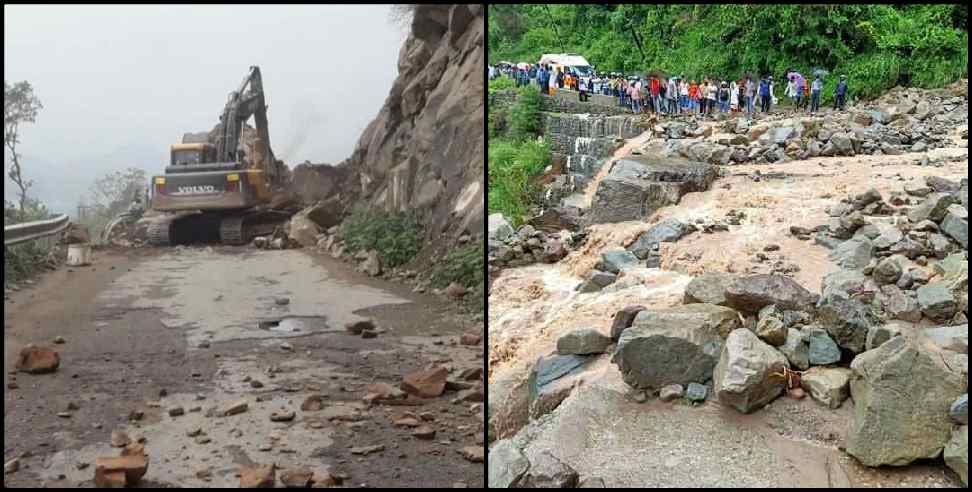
294	324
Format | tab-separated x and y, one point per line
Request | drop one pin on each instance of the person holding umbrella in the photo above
840	93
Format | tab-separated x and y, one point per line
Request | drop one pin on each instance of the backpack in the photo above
764	87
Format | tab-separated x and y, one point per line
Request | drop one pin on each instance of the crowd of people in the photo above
675	94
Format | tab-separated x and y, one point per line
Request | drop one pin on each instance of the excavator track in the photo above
231	230
158	233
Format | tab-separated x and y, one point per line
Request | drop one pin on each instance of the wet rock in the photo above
597	280
879	334
677	345
583	342
546	471
882	432
696	392
744	377
937	301
709	288
613	261
671	392
258	476
959	410
932	208
507	465
636	187
38	360
556	219
828	385
847	321
822	349
752	293
956	453
796	349
296	478
551	381
120	471
956	224
623	319
427	383
666	231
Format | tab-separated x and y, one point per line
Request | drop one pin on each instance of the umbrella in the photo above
821	72
523	65
657	73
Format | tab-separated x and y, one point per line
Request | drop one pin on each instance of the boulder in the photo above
709	288
879	334
888	238
372	264
499	228
956	224
770	327
637	186
550	381
902	392
959	410
623	319
597	280
666	231
933	208
752	293
258	476
696	392
678	345
847	321
853	254
583	342
956	453
38	360
303	230
507	465
76	234
671	392
903	307
888	270
427	383
556	219
937	301
553	251
120	471
615	260
744	377
822	349
828	385
796	349
547	471
954	338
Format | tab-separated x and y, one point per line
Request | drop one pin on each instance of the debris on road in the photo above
119	438
258	476
38	360
366	450
426	384
235	408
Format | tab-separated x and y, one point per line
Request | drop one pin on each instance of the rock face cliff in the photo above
424	151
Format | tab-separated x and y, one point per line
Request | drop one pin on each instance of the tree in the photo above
113	193
20	105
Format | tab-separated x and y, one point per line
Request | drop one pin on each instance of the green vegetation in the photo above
876	46
394	235
516	155
464	265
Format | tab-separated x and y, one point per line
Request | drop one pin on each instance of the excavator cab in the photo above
190	154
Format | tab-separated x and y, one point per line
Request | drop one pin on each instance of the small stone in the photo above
119	438
366	450
959	410
235	408
671	392
470	339
73	406
64	415
424	432
203	440
455	290
282	301
476	454
355	328
59	339
255	383
11	466
696	392
194	432
176	411
283	416
312	403
287	346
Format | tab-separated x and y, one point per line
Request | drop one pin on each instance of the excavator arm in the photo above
248	100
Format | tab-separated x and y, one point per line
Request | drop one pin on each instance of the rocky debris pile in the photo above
636	187
526	245
906	120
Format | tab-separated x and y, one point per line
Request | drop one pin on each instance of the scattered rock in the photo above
356	327
937	301
546	471
743	378
959	410
847	321
235	408
424	432
176	411
671	392
828	385
470	339
11	466
120	471
366	450
507	465
822	349
583	342
623	320
956	453
283	416
696	392
299	478
426	384
38	360
882	432
456	290
752	293
119	438
709	288
258	476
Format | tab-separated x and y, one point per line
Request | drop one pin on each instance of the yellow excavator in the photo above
219	185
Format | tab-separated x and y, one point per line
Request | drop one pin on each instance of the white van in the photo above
571	60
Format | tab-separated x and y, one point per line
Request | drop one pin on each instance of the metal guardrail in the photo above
30	231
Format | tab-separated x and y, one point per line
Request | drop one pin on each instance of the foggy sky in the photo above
120	84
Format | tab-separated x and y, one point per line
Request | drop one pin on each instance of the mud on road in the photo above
200	328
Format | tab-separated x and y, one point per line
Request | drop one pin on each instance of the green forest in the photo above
876	46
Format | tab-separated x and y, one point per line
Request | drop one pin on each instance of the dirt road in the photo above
151	330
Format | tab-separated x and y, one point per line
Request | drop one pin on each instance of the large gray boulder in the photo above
709	288
902	391
744	377
678	345
954	338
847	321
796	349
615	260
551	380
937	301
822	350
828	385
666	231
853	254
507	465
957	453
956	224
752	293
933	208
637	186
